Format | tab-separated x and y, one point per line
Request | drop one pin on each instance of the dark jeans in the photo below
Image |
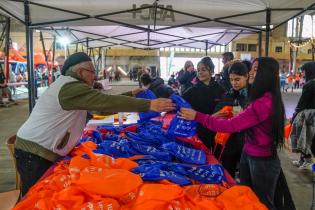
230	162
261	175
31	168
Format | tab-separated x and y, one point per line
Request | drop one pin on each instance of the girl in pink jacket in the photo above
263	124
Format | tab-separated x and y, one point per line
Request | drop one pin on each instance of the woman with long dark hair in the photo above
263	123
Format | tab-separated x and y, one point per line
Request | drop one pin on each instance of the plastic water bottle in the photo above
120	118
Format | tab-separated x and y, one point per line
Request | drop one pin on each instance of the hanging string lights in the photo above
305	42
301	44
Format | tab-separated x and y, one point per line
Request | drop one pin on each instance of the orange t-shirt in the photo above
290	79
297	78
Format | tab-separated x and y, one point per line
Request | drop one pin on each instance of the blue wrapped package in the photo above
150	150
180	102
97	137
180	127
142	138
88	138
155	172
145	116
186	154
115	149
149	159
113	137
208	174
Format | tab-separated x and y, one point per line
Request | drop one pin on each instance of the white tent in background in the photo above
151	24
155	24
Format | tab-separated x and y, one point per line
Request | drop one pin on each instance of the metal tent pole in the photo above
29	54
313	51
259	44
87	45
268	19
7	49
46	58
207	47
53	51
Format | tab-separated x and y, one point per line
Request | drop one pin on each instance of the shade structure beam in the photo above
259	43
206	19
29	54
153	7
294	16
44	48
2	36
11	14
7	48
59	9
268	19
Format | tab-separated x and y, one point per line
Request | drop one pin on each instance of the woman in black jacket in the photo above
237	97
186	76
307	100
204	96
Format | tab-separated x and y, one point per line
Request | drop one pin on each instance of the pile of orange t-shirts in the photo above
103	183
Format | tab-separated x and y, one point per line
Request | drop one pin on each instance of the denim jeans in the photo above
261	175
31	168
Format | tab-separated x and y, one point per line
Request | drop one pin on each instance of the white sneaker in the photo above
297	163
306	166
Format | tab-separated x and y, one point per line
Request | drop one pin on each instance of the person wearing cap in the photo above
204	96
58	118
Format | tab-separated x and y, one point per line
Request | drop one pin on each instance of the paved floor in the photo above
11	118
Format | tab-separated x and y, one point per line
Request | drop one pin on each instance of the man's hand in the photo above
136	91
3	84
98	86
162	105
187	114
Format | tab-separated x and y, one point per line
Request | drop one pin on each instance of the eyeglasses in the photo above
92	71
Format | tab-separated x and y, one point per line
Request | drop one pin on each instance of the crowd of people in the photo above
291	81
252	89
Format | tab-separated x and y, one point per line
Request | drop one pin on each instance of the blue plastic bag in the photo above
186	154
155	172
97	138
149	159
113	137
142	138
145	116
115	149
88	138
180	102
150	150
180	127
209	174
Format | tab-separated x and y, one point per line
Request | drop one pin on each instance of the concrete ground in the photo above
11	118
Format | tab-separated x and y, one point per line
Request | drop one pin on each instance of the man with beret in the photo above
58	118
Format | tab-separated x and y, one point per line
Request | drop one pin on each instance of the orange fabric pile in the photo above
104	183
222	138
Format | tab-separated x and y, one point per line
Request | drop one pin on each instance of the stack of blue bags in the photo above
165	157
